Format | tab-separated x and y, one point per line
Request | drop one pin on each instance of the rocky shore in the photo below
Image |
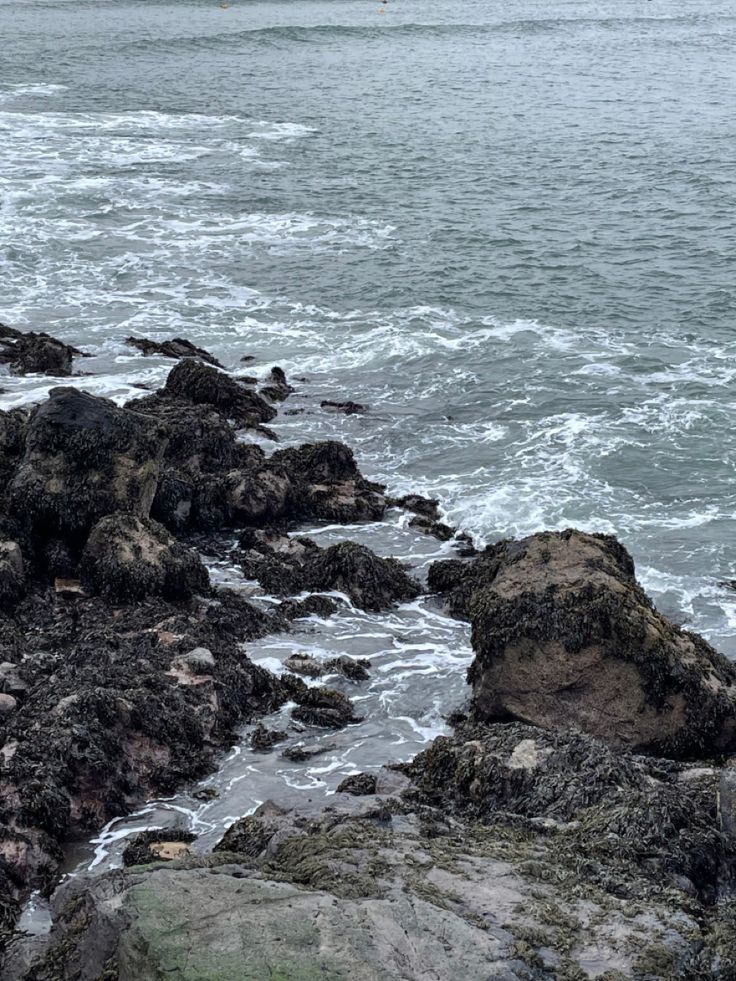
579	822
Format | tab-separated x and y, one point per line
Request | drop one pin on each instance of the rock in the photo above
346	408
11	682
424	506
157	846
201	384
8	704
128	558
277	388
198	661
263	739
302	754
564	635
318	606
303	664
177	347
358	784
84	458
37	353
372	583
251	835
355	669
13	428
12	574
437	529
324	707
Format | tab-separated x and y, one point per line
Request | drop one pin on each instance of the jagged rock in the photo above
319	606
424	506
157	846
36	353
177	347
84	458
324	707
348	667
437	529
304	664
329	483
263	739
564	635
302	754
358	784
12	574
277	388
127	558
201	384
13	427
372	583
252	834
346	408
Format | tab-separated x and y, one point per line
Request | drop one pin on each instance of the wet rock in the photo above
319	606
359	785
371	582
424	506
13	427
324	707
305	665
346	408
302	754
198	661
201	384
128	558
251	835
11	682
36	353
263	739
12	574
157	846
563	635
355	669
329	483
177	347
84	458
437	529
277	389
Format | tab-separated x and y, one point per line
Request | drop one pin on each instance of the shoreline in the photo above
125	676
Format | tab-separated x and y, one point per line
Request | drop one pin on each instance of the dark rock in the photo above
319	606
201	384
346	408
177	347
303	664
84	458
263	739
128	558
12	574
324	707
36	353
355	669
13	428
563	634
277	388
251	835
302	754
437	529
424	506
359	785
157	846
371	582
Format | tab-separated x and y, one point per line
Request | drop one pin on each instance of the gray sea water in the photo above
508	228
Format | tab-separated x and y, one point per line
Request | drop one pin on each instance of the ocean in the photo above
506	228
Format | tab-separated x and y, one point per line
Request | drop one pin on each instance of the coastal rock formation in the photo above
200	384
177	347
285	565
35	353
128	558
564	635
84	458
513	854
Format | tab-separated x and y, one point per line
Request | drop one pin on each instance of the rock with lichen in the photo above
564	634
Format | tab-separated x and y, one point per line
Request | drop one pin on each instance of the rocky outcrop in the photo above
513	854
84	458
177	347
35	353
200	384
564	635
128	558
285	565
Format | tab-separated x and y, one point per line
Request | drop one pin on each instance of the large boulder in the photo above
564	635
201	384
84	458
127	558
